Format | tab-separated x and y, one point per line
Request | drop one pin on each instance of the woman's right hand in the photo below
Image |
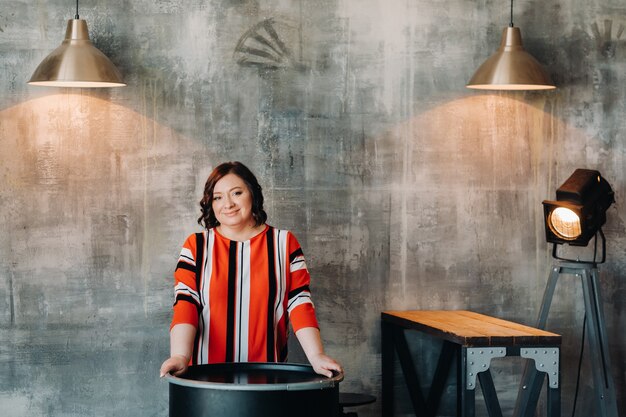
175	365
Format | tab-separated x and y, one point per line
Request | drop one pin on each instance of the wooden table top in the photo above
471	329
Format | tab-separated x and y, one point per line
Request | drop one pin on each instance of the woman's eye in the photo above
237	193
215	198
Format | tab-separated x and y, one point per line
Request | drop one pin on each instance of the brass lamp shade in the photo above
511	67
77	63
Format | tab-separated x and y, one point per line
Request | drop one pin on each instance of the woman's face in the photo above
232	202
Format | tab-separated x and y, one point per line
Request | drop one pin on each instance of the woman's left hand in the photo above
311	342
324	365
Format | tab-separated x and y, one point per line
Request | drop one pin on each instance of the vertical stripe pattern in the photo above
243	308
271	296
200	237
231	302
242	295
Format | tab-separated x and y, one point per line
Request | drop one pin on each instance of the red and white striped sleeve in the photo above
186	298
299	306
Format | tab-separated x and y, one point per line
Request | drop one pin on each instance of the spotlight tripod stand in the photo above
605	400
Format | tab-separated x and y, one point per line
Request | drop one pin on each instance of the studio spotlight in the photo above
579	210
576	216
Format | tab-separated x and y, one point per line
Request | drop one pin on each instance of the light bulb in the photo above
565	223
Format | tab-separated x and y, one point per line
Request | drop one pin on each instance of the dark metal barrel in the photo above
253	390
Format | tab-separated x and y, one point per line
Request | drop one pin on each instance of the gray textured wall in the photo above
406	190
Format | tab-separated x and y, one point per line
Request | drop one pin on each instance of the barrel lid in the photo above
253	376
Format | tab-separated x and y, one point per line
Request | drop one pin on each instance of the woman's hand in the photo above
175	365
181	348
311	342
324	365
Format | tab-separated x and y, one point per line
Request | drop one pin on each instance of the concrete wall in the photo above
406	190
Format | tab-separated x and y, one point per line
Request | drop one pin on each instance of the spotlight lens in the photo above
565	223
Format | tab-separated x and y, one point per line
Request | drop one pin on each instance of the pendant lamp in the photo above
511	67
77	63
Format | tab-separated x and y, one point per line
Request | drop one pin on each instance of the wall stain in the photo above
261	47
11	298
605	43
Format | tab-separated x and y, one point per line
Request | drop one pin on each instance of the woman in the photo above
240	283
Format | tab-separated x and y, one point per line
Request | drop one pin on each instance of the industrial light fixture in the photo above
579	210
576	216
77	63
511	67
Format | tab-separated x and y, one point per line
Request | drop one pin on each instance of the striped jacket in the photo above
241	296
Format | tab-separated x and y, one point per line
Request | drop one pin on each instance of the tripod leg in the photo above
547	297
600	363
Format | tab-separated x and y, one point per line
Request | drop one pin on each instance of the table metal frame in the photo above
472	363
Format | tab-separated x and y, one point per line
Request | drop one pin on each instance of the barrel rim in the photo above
324	383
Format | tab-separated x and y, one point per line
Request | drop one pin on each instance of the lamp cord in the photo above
595	248
511	24
76	17
580	361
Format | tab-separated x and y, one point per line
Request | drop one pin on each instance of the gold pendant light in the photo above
511	67
77	63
